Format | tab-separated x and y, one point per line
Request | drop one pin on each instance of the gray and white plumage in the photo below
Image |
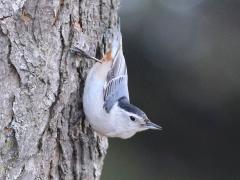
116	85
106	98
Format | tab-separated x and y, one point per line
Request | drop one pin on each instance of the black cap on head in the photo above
125	104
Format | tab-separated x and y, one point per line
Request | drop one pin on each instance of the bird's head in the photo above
130	119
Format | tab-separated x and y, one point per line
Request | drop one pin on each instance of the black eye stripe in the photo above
132	118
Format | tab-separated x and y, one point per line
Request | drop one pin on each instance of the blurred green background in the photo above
183	61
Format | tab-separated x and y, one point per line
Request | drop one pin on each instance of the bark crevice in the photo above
45	135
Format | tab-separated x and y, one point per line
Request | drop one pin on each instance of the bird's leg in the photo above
83	53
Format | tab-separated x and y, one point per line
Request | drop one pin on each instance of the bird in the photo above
106	101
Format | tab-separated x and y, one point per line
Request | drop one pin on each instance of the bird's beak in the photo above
151	125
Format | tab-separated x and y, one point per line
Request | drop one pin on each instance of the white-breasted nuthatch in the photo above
106	98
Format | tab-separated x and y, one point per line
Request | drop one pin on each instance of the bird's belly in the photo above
93	104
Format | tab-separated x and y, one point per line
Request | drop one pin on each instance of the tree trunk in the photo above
43	134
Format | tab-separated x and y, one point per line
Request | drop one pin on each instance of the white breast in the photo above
93	98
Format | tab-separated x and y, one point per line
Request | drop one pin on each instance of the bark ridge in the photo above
43	134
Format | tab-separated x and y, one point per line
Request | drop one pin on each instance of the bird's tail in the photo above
116	45
113	40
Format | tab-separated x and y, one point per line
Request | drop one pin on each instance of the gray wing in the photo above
117	78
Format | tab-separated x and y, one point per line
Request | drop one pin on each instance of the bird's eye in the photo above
132	118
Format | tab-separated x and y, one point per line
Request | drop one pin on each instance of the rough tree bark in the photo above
43	134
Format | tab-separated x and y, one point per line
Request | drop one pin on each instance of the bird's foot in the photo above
84	54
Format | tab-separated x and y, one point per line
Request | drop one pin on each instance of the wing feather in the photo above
117	78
